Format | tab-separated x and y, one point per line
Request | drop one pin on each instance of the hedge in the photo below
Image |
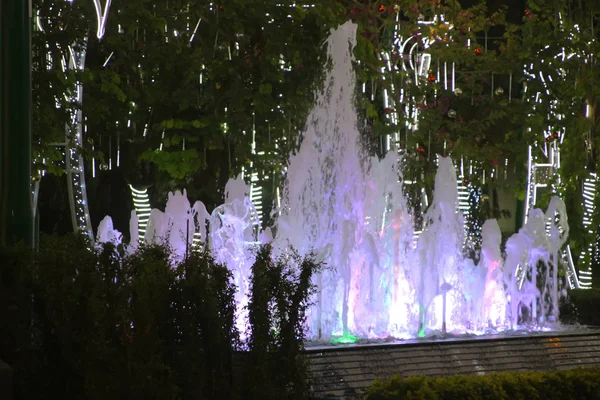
569	385
78	322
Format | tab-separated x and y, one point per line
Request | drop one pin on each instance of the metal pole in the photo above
16	213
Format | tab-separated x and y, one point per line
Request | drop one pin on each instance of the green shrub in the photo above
280	293
85	323
573	384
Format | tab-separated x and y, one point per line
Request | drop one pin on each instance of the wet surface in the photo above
435	336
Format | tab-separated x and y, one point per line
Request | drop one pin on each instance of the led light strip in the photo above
141	203
101	16
585	258
256	194
74	163
463	197
75	166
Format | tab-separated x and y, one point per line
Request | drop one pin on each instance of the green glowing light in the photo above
347	338
423	318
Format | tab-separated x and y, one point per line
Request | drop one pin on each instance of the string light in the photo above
74	163
141	203
540	174
590	252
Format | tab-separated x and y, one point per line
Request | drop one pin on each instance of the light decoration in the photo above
74	60
415	63
590	185
74	164
540	175
346	338
141	203
464	193
37	175
256	195
256	190
463	190
543	163
101	15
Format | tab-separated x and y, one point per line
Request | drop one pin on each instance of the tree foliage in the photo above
190	86
557	44
190	93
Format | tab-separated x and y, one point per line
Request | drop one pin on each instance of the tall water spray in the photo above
347	207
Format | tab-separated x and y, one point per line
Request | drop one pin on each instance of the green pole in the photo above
16	214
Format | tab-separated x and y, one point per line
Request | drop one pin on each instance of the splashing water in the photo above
349	209
107	233
232	239
175	227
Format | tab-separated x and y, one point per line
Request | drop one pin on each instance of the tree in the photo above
557	43
181	93
190	94
194	88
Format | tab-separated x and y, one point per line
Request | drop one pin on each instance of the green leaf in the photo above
265	88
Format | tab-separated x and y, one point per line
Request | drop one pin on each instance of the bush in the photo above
97	324
280	292
573	384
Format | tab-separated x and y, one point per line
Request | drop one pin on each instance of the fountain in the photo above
344	205
349	208
107	233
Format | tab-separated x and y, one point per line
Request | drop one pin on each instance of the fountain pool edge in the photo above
345	372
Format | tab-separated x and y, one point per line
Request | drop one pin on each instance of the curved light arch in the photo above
74	162
101	15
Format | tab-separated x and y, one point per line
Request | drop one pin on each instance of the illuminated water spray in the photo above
349	209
